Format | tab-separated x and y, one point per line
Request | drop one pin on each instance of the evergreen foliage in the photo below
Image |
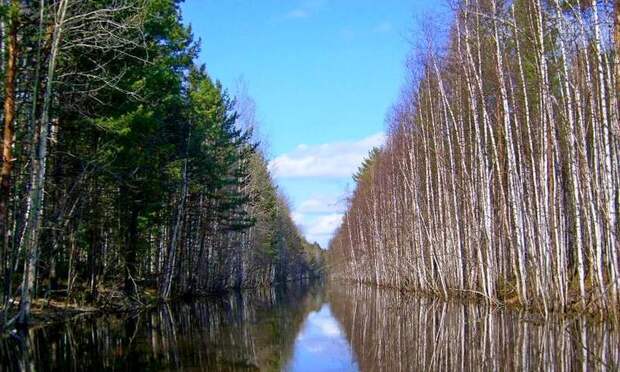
125	166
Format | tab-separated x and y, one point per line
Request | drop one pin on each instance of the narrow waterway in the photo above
317	328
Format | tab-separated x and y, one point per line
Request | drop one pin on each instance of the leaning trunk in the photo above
36	194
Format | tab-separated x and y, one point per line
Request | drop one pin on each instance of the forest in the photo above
127	172
499	179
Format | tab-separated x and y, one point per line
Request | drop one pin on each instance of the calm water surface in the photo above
314	328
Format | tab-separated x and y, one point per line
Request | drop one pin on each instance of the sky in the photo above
323	74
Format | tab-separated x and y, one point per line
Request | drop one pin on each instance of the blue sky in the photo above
323	74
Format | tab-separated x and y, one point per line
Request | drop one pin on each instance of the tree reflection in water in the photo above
345	327
240	332
393	332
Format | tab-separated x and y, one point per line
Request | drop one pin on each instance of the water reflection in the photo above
309	328
321	345
241	332
392	332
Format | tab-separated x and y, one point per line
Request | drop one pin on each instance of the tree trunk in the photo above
131	246
616	60
37	193
10	75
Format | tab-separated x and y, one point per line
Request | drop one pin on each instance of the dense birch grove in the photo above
500	174
125	167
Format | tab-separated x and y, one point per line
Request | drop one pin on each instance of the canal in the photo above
336	327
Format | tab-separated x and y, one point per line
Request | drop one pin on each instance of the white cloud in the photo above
329	327
318	218
383	27
324	226
335	160
315	348
298	218
306	9
297	13
321	204
325	323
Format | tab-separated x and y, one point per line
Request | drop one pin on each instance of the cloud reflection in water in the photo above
321	345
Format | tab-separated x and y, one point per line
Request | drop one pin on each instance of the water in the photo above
313	328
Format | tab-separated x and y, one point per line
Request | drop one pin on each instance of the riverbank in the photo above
504	301
52	310
55	309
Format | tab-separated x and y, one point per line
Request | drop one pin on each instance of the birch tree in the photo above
512	163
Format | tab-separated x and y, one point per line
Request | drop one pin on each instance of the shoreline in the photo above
47	312
476	298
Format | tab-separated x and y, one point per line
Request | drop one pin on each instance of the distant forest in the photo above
127	171
500	175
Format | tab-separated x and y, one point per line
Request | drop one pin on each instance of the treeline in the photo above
500	173
125	166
